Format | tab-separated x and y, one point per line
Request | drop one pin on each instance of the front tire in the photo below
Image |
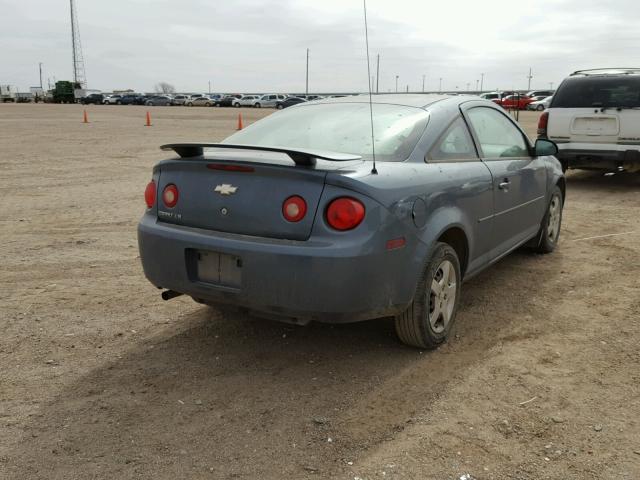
279	106
257	105
550	229
540	108
428	320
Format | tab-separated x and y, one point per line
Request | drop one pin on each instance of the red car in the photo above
516	102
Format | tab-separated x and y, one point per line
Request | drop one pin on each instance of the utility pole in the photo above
209	86
529	77
468	86
378	73
407	88
306	90
423	77
550	85
40	69
481	82
440	87
397	76
477	81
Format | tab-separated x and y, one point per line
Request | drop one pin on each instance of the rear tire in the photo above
257	105
279	106
540	108
430	316
551	223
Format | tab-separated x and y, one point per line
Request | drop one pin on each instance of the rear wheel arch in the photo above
457	239
562	184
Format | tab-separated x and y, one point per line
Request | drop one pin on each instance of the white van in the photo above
594	117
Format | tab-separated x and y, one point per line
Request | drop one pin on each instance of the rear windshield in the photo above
604	91
340	127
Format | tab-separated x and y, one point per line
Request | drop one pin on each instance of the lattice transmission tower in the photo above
78	61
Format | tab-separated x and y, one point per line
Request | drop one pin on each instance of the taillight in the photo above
150	194
543	121
170	195
345	213
294	208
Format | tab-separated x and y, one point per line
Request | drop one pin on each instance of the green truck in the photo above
64	92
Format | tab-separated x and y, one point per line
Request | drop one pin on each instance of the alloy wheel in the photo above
442	296
553	226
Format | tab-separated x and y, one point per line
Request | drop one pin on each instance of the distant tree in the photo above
164	87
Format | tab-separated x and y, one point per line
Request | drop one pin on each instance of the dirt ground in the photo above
101	379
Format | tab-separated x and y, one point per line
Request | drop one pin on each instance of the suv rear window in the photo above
604	91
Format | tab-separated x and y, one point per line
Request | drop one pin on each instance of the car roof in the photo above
607	71
405	99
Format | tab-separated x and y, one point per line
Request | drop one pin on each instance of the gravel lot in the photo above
101	379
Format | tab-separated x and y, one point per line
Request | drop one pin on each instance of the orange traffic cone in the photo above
85	119
148	124
240	125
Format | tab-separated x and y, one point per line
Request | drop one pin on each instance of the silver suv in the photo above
269	100
594	117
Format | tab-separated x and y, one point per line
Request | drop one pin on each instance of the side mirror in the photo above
545	147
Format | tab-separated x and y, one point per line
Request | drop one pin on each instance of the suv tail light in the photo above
170	195
150	194
294	208
345	213
542	124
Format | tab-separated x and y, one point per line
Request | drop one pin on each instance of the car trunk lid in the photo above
242	192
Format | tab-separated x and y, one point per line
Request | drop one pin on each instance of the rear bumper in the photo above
599	156
295	281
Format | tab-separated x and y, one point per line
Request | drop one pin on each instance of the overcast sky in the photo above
252	45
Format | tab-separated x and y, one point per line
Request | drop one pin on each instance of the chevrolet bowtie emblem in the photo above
225	189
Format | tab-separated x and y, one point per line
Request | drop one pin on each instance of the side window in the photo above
454	144
498	137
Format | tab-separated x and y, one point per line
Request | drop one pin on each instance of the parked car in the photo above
496	97
540	93
202	101
290	101
134	99
92	98
516	102
595	118
112	99
269	100
246	101
228	100
181	99
540	104
159	100
296	222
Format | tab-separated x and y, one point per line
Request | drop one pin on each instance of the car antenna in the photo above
373	143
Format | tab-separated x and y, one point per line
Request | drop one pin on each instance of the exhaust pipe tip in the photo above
169	294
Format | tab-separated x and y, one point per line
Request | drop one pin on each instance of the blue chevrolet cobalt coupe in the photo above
292	219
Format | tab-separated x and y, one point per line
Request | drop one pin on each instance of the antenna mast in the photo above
373	142
78	60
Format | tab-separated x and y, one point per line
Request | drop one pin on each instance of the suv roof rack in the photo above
608	71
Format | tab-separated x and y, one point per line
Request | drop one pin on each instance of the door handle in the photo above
504	185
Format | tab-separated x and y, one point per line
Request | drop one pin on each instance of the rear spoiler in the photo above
301	157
